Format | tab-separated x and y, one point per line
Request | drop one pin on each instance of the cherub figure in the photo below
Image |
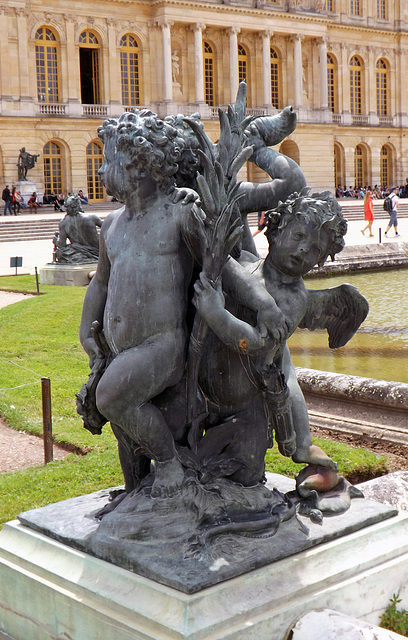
240	357
138	297
78	240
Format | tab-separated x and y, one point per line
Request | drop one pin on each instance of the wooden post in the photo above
47	419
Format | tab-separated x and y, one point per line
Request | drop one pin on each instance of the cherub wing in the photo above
340	310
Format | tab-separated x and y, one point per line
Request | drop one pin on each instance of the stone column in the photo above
298	70
324	100
233	46
266	66
72	60
23	59
167	70
5	76
198	61
115	92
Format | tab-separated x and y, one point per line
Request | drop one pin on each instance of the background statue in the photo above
78	240
25	162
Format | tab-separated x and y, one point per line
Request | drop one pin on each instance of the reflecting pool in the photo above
380	348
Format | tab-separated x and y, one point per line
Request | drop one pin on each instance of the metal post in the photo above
36	281
379	235
47	420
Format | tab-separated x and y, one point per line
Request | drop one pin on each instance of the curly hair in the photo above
148	141
189	163
320	208
73	204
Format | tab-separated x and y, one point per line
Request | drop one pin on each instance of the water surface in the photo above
380	348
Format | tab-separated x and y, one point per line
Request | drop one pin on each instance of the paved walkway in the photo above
36	253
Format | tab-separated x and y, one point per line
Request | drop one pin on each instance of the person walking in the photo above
6	195
393	212
368	213
15	199
261	223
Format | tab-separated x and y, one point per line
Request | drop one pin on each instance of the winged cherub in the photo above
236	370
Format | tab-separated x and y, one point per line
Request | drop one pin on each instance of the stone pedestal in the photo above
49	590
69	275
26	189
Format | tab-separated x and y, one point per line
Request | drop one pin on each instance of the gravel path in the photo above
9	297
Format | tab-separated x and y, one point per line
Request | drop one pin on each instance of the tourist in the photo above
15	199
6	195
394	210
368	213
33	202
261	223
82	197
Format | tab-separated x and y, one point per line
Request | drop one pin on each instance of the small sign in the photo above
17	261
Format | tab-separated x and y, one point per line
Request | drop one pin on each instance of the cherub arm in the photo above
340	310
234	333
94	304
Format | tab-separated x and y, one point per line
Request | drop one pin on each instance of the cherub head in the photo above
304	230
189	163
138	144
73	205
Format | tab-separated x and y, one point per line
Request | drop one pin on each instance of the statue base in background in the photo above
69	275
68	591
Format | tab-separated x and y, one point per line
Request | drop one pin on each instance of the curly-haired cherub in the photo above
240	358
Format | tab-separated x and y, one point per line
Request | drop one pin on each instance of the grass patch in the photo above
40	339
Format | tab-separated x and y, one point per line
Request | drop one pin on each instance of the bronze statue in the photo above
25	162
78	240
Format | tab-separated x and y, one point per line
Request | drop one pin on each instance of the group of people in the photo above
13	201
377	192
392	209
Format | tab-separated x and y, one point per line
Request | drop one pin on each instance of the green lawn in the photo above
39	338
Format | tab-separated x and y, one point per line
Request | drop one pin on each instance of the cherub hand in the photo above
253	137
272	322
207	298
186	196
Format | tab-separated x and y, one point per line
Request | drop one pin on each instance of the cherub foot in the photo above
314	455
168	478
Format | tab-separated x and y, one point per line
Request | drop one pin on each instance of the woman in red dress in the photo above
368	213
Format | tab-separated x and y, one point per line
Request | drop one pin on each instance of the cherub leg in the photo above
306	451
123	396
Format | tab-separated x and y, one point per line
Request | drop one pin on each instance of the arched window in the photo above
243	68
52	159
355	86
331	84
275	79
209	74
360	166
355	7
46	60
129	70
382	9
381	78
89	51
94	159
385	166
289	148
339	178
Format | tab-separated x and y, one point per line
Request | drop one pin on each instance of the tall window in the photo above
385	166
94	159
243	67
359	166
209	74
381	78
46	59
329	6
331	84
89	66
355	86
129	70
275	79
52	159
382	9
355	7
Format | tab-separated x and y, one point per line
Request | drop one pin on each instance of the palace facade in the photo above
66	65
